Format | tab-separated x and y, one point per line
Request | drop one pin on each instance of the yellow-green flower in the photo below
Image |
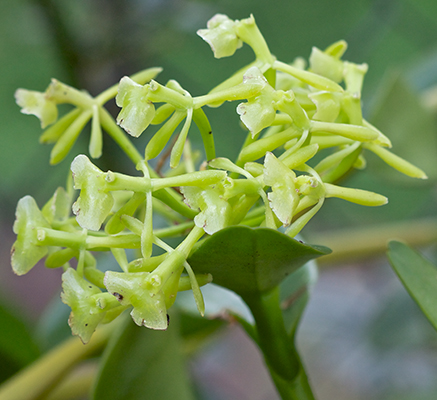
221	35
26	252
38	104
137	111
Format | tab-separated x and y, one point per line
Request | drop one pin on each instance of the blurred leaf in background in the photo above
17	347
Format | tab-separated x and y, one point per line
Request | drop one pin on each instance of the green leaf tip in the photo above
418	275
251	260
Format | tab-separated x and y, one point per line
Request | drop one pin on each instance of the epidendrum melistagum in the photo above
291	112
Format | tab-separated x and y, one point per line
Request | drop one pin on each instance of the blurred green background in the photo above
362	336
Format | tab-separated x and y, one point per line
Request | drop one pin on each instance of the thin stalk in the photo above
111	127
356	243
140	77
77	240
167	196
202	123
77	384
174	230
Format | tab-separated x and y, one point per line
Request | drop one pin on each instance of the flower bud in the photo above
326	65
355	132
396	162
358	196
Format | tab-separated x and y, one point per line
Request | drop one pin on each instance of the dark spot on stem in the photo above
210	133
118	296
168	319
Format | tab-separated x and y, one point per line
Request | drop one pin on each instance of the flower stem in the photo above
110	126
364	242
141	78
77	240
202	122
277	346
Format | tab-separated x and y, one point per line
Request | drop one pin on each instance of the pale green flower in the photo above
328	105
221	36
38	104
137	289
25	251
354	76
326	65
94	204
58	208
259	112
283	197
215	212
137	111
86	313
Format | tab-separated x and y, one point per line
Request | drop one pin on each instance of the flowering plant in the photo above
236	220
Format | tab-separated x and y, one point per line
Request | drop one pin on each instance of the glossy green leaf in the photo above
251	261
218	302
418	276
294	294
141	363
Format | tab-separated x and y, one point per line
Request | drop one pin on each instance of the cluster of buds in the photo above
292	113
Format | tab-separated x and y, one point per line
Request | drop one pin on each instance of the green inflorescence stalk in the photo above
291	116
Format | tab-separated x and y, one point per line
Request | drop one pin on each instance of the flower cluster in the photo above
292	114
